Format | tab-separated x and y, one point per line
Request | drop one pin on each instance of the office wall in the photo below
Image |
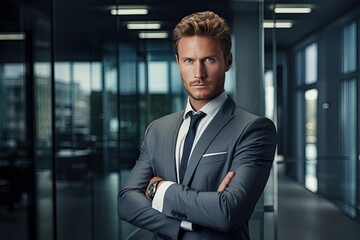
334	164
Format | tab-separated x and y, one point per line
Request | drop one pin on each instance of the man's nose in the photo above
199	71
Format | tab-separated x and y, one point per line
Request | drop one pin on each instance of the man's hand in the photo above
225	182
151	181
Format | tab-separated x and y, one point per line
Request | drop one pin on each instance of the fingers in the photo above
226	181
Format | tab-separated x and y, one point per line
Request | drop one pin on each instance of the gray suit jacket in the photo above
234	140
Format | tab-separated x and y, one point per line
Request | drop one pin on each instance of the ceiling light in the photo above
129	11
292	10
12	36
143	25
278	24
153	35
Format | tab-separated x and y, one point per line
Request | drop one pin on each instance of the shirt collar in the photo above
211	108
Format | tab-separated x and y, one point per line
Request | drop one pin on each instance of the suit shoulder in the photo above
170	117
244	114
250	118
167	119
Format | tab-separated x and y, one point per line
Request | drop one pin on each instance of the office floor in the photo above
303	215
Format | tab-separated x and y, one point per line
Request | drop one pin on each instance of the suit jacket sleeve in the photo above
136	209
251	159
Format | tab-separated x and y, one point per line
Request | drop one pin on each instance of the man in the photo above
209	191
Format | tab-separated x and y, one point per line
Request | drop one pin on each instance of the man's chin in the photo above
202	98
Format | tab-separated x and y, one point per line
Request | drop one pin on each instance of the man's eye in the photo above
187	61
209	60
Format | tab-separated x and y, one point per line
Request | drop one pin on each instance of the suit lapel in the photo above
172	133
216	125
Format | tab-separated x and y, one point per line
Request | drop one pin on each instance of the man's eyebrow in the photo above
185	58
208	56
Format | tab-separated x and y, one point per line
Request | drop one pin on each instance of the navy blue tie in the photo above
189	139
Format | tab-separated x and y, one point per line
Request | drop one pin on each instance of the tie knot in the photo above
195	118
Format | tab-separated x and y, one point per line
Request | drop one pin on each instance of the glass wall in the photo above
77	91
348	145
26	141
327	113
349	53
348	119
306	63
311	102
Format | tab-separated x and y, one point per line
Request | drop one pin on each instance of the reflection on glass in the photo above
311	63
73	153
15	161
348	145
269	94
311	139
13	83
158	78
299	68
44	148
349	53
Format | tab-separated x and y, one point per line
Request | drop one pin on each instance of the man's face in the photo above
202	67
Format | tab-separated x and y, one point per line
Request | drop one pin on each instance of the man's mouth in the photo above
203	85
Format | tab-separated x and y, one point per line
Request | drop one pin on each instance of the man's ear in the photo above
177	59
229	60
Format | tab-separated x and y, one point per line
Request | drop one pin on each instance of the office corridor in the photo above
303	215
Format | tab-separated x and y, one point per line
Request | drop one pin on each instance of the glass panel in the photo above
348	145
299	69
297	171
177	89
26	210
158	77
129	104
349	48
15	198
110	115
73	154
311	64
16	138
94	108
311	139
144	97
127	66
269	94
44	133
230	80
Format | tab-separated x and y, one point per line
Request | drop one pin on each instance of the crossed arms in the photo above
225	182
250	160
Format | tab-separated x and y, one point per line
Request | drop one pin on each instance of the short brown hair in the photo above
203	24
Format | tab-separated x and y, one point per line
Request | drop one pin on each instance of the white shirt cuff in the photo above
186	225
158	201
